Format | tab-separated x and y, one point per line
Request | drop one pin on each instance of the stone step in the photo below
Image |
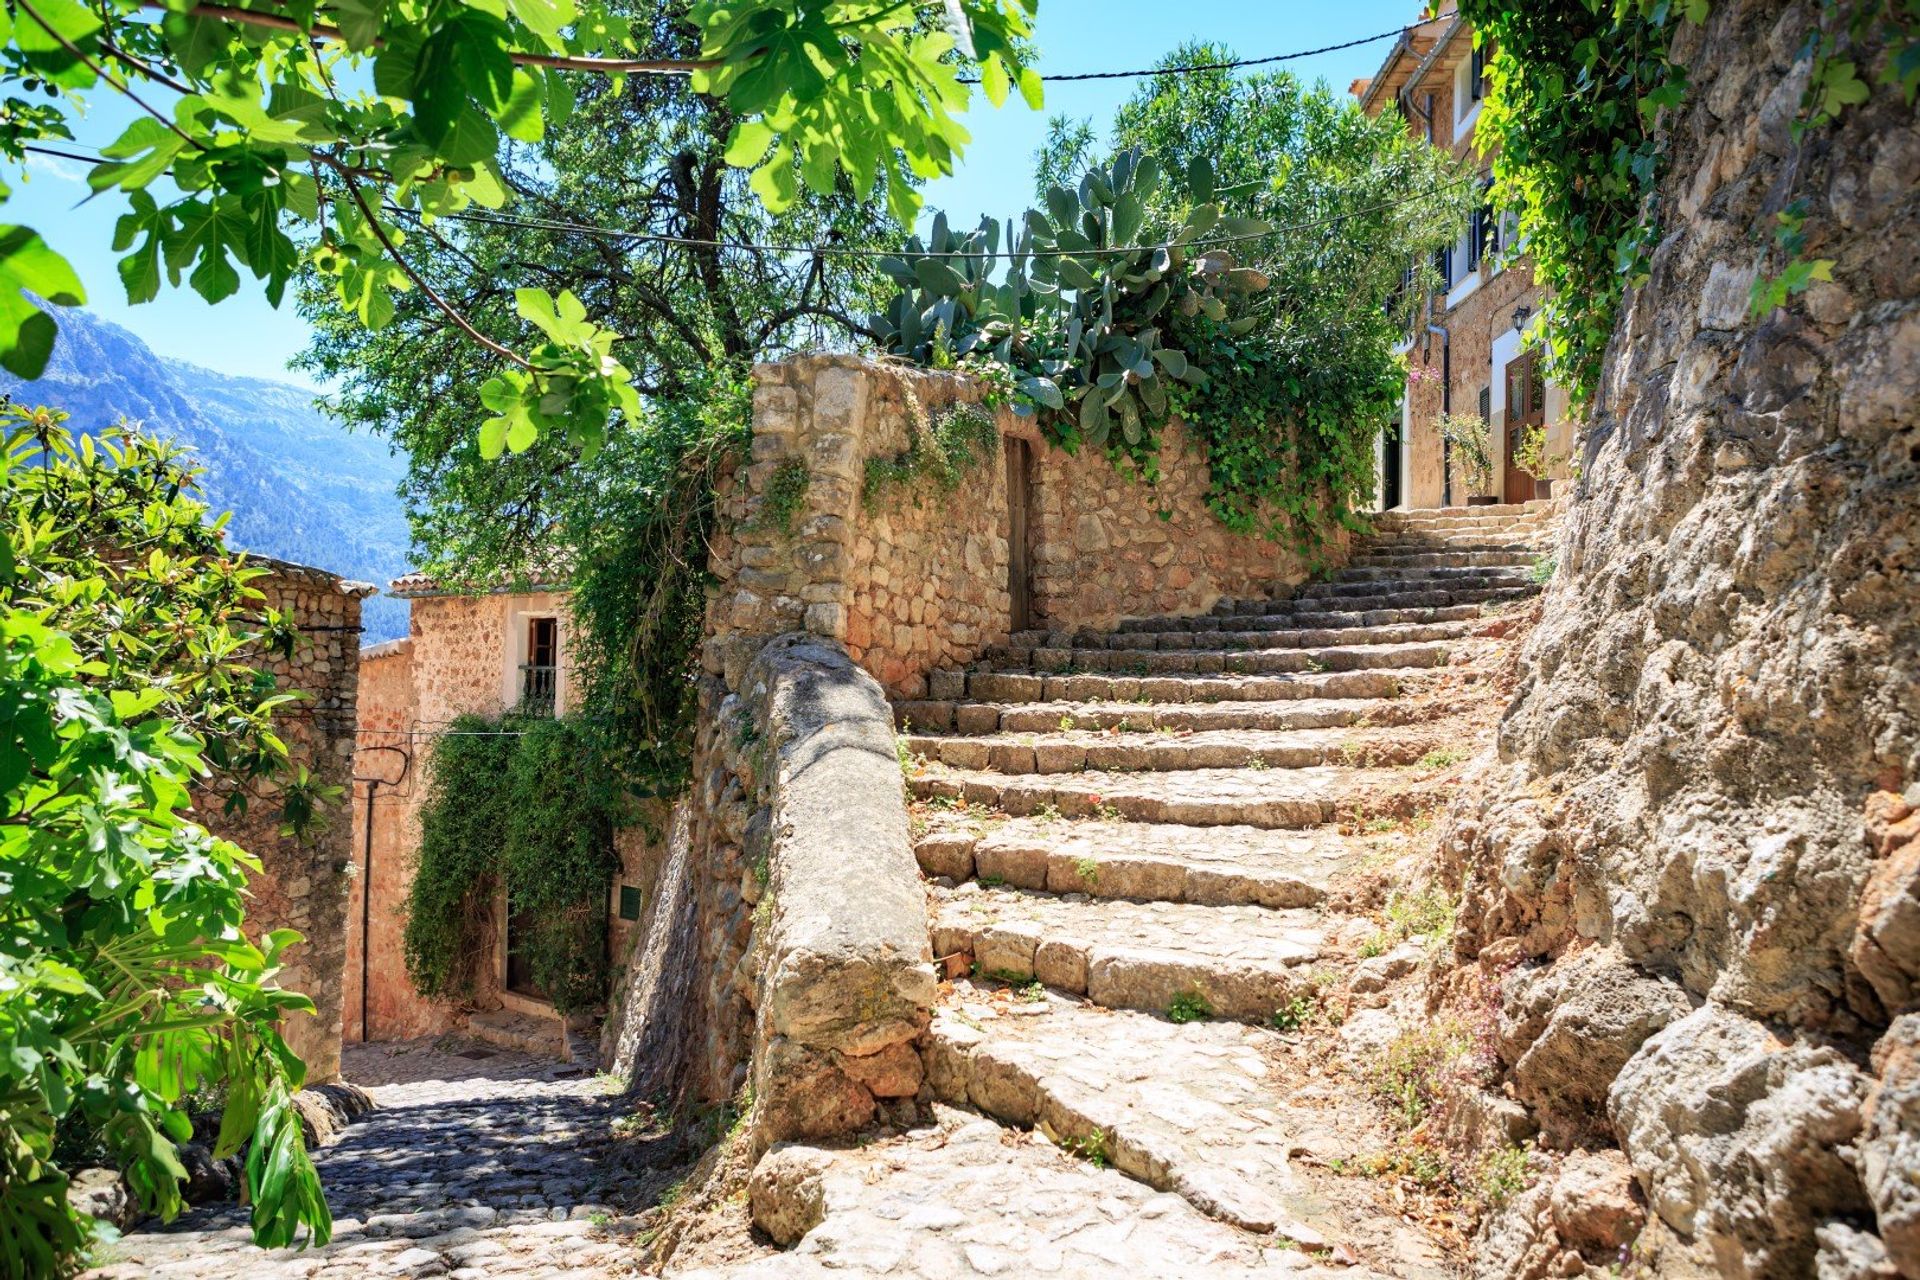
1537	507
966	1196
1398	546
1377	608
1270	799
1494	567
1364	597
521	1032
1238	660
1337	620
1195	1109
981	718
1085	645
1082	750
1214	866
1465	586
1240	962
1016	687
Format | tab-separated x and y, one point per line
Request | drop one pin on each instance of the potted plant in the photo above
1471	443
1533	456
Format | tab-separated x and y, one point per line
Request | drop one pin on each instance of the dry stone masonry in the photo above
303	882
1691	879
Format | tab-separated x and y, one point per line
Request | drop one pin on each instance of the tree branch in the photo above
419	282
556	62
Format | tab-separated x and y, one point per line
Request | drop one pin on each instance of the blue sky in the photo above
244	335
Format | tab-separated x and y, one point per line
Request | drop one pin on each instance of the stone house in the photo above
1465	350
464	655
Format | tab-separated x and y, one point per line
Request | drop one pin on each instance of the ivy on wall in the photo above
516	802
1573	119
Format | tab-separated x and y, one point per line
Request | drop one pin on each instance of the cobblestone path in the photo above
478	1163
1159	866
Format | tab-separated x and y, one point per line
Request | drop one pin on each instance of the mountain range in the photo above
301	486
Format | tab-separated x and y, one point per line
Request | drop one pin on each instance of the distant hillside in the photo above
299	485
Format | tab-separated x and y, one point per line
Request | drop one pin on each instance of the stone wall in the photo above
917	581
913	582
843	976
303	883
1693	871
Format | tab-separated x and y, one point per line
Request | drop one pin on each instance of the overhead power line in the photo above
1231	65
857	251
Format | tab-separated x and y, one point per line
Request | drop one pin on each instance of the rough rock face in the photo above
1709	769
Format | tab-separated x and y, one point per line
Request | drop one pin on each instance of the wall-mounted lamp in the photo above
1520	316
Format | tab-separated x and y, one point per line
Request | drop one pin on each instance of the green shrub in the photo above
128	987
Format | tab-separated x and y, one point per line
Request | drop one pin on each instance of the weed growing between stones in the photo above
1427	914
1416	1069
946	446
1440	758
1189	1006
1542	571
1091	1147
1088	870
785	495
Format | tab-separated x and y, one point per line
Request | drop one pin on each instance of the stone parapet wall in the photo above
917	580
1693	875
844	979
303	883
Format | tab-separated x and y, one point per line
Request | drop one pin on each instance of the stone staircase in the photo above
1137	843
1149	854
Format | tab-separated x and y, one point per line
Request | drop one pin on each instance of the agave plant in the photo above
1081	314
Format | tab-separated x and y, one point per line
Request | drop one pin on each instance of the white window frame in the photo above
519	615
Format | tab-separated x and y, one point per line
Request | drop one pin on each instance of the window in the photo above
1477	73
540	673
1486	403
1485	229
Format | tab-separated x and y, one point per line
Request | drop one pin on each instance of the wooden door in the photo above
1019	496
1526	408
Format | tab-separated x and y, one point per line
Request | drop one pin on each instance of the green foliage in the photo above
322	139
802	76
127	985
786	493
1471	441
1542	570
1570	121
1576	94
1189	1006
521	802
1081	313
1286	386
947	444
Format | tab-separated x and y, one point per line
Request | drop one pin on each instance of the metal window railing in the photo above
539	688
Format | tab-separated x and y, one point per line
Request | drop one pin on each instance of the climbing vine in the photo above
1569	118
1572	116
1284	457
514	802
